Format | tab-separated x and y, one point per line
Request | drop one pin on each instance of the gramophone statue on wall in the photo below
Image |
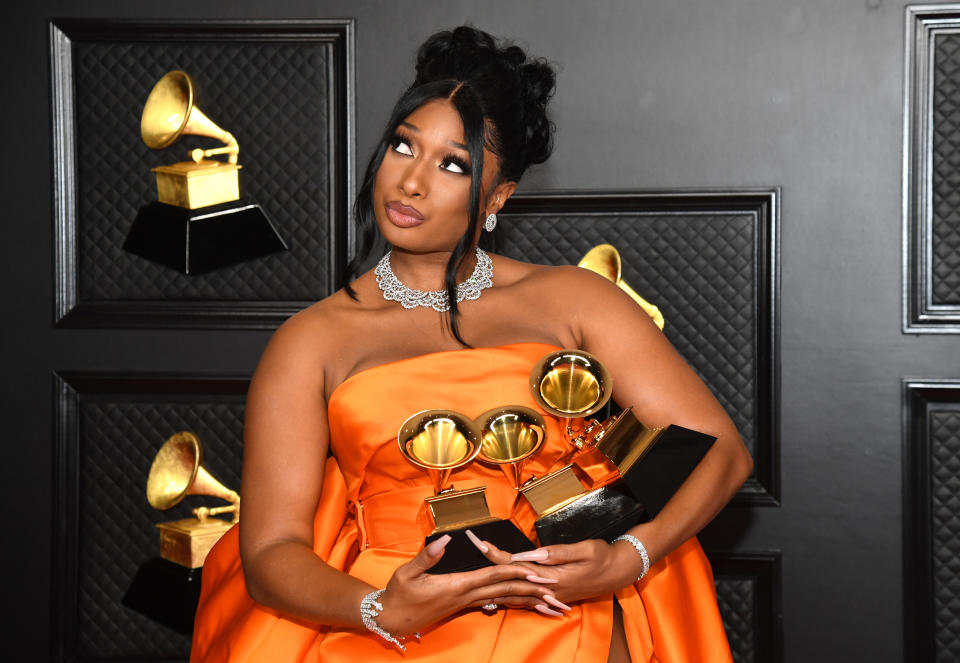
167	588
199	221
177	471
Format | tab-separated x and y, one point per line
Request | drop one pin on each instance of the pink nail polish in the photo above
475	540
542	581
437	546
538	555
547	611
552	600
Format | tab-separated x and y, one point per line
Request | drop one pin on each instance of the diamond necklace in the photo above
394	290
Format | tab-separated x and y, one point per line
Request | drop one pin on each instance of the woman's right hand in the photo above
415	599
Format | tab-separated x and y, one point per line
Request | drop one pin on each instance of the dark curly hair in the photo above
501	96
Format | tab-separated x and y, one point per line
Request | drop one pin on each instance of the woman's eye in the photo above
455	166
401	146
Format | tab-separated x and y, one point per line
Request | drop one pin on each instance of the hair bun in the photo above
512	88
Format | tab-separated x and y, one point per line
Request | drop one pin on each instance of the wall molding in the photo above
923	399
922	314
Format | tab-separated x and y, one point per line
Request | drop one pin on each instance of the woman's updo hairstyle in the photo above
501	96
512	92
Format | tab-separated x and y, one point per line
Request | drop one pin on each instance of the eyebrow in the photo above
416	129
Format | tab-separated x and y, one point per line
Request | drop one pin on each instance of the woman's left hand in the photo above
574	571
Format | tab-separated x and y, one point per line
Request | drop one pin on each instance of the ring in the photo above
489	606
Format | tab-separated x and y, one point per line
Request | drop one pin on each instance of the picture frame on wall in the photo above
285	89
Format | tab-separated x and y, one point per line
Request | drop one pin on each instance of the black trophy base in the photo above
461	555
166	592
604	513
193	241
656	477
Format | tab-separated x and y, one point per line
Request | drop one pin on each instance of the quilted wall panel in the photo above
113	436
748	593
283	92
945	239
709	264
931	527
945	525
931	222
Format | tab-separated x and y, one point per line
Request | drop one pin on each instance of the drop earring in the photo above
490	223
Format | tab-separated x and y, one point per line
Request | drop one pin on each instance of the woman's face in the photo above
422	188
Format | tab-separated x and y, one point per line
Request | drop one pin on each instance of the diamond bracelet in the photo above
641	550
370	609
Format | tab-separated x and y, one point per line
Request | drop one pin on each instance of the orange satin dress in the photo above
366	525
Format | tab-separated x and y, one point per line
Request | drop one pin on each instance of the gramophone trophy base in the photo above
460	553
604	513
653	462
194	185
656	476
200	240
453	511
186	542
165	592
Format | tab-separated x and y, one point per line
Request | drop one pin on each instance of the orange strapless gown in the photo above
365	525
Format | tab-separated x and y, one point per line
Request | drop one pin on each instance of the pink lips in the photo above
403	215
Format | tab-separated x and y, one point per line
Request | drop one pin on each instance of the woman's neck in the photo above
425	271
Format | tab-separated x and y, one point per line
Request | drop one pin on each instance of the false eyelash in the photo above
400	137
458	161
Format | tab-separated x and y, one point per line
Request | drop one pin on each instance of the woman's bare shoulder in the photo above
552	277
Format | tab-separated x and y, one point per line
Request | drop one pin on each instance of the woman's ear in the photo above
499	196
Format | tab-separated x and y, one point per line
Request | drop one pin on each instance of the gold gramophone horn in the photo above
604	259
570	384
170	112
510	435
177	471
439	441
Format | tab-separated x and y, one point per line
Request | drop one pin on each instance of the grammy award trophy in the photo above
199	222
440	442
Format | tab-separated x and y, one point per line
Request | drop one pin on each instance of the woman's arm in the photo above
649	375
285	447
663	389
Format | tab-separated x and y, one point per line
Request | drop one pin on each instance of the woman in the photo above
440	324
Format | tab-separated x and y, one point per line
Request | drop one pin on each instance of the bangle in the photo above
639	547
370	609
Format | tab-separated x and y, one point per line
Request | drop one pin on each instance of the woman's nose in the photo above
413	182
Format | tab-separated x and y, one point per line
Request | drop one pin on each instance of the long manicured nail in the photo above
547	611
542	581
552	600
437	546
538	555
475	540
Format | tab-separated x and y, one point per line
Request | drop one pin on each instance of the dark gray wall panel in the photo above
931	529
709	261
284	89
932	171
110	429
749	596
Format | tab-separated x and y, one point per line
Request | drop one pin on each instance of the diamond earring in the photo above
490	223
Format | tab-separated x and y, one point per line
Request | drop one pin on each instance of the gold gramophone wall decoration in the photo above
177	471
199	221
441	442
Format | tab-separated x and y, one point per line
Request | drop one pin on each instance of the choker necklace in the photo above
394	290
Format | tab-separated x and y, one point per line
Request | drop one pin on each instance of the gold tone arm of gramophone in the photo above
604	259
231	148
